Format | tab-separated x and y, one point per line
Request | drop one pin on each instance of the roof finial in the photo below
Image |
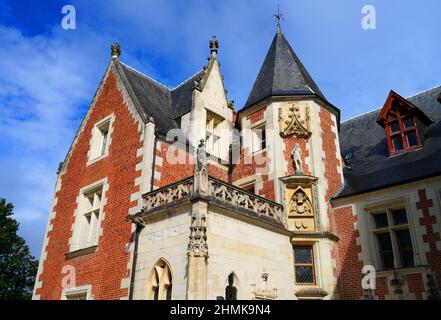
115	50
214	45
279	16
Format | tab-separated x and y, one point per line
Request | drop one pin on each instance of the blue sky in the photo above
48	75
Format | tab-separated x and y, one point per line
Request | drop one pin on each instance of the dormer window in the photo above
401	121
402	130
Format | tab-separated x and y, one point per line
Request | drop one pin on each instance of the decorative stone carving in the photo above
294	121
115	50
197	246
297	159
300	204
238	198
214	45
433	293
300	194
201	173
223	193
263	293
397	282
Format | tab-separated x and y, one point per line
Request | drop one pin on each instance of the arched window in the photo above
160	282
231	290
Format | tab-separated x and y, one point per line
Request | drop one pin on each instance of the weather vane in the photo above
278	17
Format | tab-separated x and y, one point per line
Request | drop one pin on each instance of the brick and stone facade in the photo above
177	221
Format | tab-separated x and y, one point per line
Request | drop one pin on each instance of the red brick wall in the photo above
105	268
415	284
348	267
173	170
433	255
251	165
381	288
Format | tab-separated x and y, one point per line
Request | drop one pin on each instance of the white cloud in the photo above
46	84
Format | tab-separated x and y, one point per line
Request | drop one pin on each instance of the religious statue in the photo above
297	159
200	173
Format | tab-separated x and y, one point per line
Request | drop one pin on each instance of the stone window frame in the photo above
247	137
261	143
76	291
95	154
316	263
214	132
374	251
75	243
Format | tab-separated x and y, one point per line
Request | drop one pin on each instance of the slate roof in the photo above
371	168
154	99
282	74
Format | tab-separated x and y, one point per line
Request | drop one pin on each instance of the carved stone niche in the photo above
300	199
294	121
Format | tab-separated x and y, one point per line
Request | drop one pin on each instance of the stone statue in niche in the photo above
201	173
297	159
300	204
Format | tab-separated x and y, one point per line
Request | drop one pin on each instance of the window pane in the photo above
412	138
394	127
304	274
397	142
381	220
408	122
388	260
104	145
406	250
303	255
399	216
385	241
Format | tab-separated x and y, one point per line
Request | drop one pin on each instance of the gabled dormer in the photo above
404	124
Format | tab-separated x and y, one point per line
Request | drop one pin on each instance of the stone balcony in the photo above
217	193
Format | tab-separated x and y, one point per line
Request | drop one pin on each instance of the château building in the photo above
169	193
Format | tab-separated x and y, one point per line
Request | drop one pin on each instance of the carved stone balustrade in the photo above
219	193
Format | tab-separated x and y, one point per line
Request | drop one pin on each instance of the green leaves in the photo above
17	266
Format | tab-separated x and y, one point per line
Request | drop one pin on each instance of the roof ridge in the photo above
427	90
409	97
146	76
185	81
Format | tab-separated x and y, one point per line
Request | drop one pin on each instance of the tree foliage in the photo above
17	266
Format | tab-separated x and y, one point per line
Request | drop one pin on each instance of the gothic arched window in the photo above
160	282
231	290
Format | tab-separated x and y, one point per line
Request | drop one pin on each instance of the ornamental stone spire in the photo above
115	50
214	46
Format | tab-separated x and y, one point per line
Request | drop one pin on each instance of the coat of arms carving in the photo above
294	121
300	204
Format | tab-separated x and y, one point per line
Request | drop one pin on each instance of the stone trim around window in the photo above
77	293
374	250
74	242
96	140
